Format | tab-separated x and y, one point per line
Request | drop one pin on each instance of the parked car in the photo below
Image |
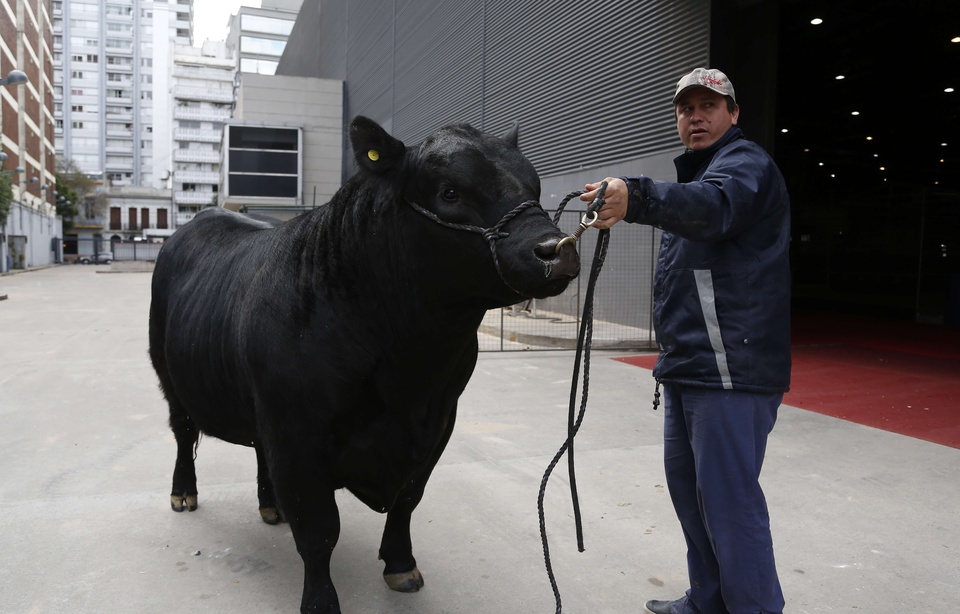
100	258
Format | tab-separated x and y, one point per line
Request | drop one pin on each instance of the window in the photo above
260	67
267	25
77	125
77	108
262	46
263	161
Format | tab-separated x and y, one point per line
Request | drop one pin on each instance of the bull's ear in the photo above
374	149
512	137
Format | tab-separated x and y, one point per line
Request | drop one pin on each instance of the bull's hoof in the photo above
178	503
406	582
272	515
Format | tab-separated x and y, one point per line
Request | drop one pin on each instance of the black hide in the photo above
338	343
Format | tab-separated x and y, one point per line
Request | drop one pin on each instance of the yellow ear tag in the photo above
373	154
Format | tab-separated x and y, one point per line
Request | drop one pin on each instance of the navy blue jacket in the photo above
722	285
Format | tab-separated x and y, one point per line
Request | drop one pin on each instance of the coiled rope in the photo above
574	419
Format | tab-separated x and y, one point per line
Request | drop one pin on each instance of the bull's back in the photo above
203	271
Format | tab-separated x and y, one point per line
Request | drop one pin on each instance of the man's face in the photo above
703	117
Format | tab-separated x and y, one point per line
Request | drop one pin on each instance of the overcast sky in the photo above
210	18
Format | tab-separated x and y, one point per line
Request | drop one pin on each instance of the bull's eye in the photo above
450	195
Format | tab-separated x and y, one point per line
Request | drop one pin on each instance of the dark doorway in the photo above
867	133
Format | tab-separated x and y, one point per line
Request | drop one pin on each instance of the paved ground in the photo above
864	521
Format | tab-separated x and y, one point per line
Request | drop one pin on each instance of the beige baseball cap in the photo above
710	78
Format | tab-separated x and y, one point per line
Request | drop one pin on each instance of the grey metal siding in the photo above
584	98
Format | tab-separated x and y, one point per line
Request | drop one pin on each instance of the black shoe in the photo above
659	607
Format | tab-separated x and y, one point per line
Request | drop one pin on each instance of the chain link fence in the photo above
623	298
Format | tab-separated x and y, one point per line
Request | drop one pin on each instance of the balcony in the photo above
193	198
196	177
183	92
224	74
196	136
194	155
195	114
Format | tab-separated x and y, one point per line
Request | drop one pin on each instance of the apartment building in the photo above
203	91
114	120
29	227
258	36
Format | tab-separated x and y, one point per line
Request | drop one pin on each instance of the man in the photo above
722	318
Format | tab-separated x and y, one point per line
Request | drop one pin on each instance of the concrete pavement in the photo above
864	521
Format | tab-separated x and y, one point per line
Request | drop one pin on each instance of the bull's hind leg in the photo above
183	496
270	512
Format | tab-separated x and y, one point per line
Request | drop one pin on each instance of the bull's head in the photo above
461	181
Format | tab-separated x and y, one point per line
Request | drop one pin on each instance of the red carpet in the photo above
896	376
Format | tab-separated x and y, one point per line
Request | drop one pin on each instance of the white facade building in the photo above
202	99
258	36
110	59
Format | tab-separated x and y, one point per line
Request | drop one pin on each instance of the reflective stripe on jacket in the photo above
722	284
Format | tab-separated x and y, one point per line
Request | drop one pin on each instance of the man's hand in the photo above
616	198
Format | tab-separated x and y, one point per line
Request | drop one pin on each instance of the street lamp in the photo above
19	169
15	77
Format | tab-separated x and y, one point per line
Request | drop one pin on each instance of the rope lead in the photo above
584	343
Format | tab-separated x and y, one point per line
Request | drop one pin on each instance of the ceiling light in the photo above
855	113
869	138
816	21
821	164
839	77
883	168
949	90
955	39
784	130
943	144
832	175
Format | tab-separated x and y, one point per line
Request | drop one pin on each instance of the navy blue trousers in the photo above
714	444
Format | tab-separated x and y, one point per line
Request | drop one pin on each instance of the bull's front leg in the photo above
316	529
307	499
396	550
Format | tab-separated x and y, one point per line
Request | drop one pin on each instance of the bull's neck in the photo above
354	255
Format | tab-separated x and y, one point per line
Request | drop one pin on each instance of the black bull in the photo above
337	344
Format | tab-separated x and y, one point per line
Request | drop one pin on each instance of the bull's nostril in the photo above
547	250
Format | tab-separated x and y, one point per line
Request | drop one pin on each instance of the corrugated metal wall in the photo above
590	81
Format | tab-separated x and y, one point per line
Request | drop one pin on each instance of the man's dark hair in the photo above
731	103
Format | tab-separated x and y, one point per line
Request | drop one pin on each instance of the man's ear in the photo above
735	114
512	137
374	149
